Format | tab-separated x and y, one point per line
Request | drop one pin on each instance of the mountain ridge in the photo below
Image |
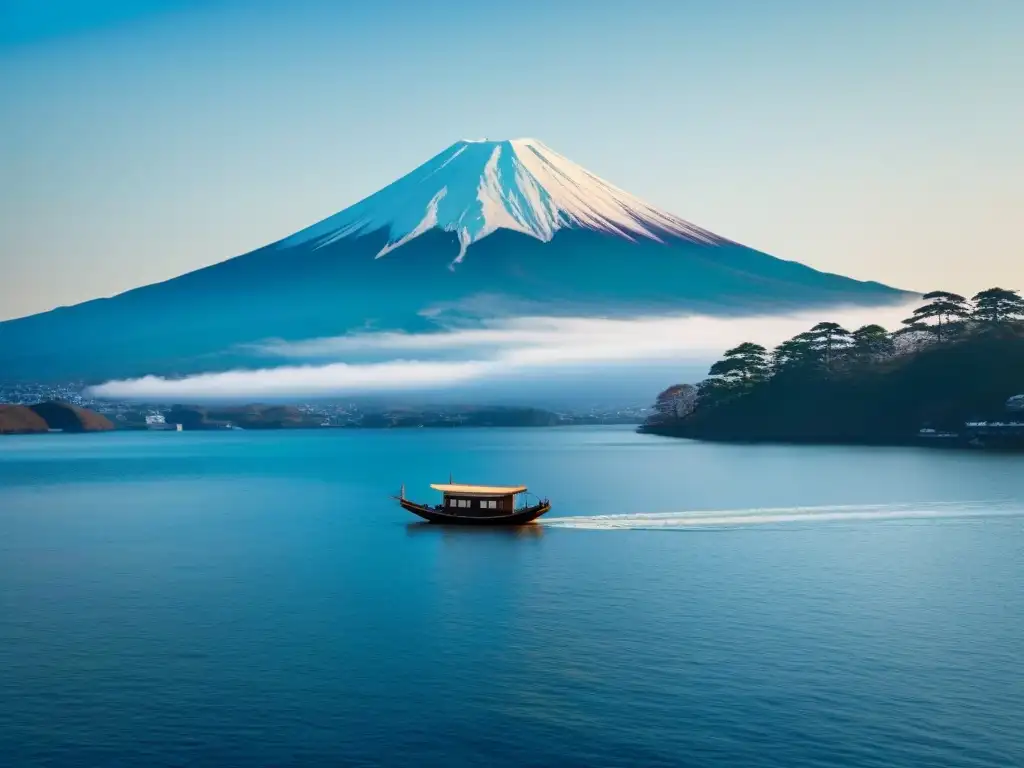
376	265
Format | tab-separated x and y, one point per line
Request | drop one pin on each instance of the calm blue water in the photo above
255	599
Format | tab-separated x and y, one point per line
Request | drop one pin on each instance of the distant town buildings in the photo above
156	420
151	416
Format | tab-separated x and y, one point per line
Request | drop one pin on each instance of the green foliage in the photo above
813	352
828	383
742	368
795	356
830	341
871	343
998	306
946	310
713	391
743	365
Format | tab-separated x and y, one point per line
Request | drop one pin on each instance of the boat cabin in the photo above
479	500
478	505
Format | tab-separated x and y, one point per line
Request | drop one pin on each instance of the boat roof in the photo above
480	490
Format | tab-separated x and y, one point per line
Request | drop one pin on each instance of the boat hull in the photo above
433	515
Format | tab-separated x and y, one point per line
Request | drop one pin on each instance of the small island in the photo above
950	376
51	416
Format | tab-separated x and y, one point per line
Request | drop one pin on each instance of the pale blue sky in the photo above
144	139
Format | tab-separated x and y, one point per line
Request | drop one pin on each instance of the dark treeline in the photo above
952	360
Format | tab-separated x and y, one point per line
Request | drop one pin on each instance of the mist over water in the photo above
527	359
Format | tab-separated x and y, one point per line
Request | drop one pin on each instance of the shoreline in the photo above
329	428
958	444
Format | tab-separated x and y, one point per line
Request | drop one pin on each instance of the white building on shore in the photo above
156	420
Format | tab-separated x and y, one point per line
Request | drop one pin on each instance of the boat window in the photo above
451	502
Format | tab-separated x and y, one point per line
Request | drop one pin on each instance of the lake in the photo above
256	599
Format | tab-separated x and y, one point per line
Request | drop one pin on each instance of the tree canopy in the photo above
742	368
871	343
942	314
831	382
998	305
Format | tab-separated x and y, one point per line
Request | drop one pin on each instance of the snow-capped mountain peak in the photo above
476	187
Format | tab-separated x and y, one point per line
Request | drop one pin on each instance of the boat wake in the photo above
713	519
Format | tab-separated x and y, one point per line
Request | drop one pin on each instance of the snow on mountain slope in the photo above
476	187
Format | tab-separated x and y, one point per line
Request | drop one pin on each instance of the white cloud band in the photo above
433	361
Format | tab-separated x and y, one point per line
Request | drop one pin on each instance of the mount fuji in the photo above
477	187
483	229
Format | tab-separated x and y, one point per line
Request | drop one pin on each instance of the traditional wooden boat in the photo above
479	505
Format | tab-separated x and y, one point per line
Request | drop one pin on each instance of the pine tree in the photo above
948	310
998	305
745	364
795	354
871	342
742	368
829	340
